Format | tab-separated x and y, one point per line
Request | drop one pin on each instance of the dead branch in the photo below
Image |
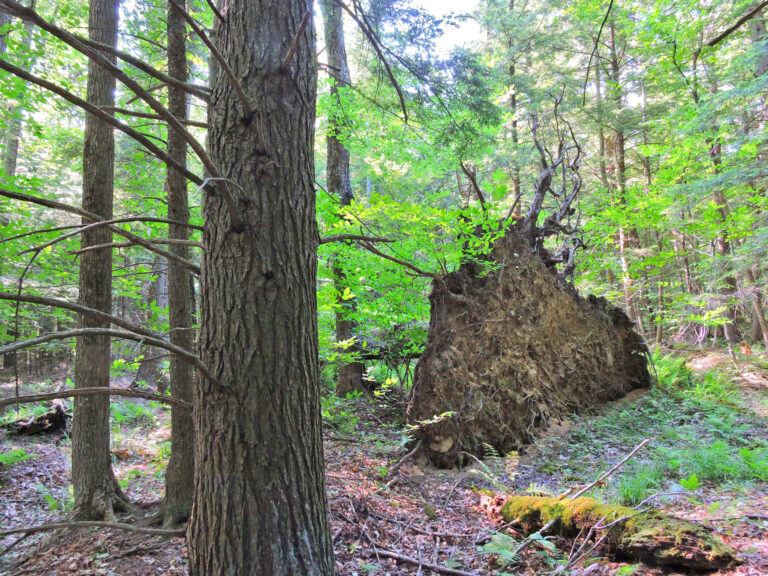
352	237
29	14
370	35
295	44
124	334
736	25
91	312
148	116
376	552
87	524
392	471
216	54
594	49
115	245
100	221
108	118
416	270
29	398
215	10
471	174
200	92
605	476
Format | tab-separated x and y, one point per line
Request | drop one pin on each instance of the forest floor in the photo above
707	462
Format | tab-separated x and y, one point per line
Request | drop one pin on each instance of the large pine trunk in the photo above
260	504
512	347
95	488
179	484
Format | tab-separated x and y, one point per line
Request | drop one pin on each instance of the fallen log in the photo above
49	422
649	536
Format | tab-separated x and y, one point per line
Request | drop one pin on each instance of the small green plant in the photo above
691	483
52	503
501	547
132	414
636	487
13	457
337	412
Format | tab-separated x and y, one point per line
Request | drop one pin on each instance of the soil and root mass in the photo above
512	348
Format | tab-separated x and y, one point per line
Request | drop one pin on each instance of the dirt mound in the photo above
511	347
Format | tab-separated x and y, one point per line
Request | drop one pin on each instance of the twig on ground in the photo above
180	532
605	476
392	471
378	552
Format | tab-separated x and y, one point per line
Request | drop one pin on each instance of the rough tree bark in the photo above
179	476
337	172
260	503
96	492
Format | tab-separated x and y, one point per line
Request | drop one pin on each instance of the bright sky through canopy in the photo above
465	34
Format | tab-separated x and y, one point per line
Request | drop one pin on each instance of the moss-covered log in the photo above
651	536
511	348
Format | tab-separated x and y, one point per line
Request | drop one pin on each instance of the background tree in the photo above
97	494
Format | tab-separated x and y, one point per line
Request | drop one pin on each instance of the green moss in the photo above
649	536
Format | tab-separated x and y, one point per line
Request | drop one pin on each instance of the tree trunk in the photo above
150	372
96	492
260	503
179	476
337	173
628	237
513	112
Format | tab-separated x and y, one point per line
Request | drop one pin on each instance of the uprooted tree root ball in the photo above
511	348
649	536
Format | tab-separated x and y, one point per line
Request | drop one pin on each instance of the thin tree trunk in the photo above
149	371
628	237
15	119
337	171
179	476
260	503
513	111
96	492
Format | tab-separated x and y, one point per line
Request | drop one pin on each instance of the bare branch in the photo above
352	237
594	49
471	175
200	92
215	10
136	114
115	245
216	54
408	265
88	107
295	44
180	532
45	396
115	221
736	25
100	221
72	307
368	32
21	11
124	334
